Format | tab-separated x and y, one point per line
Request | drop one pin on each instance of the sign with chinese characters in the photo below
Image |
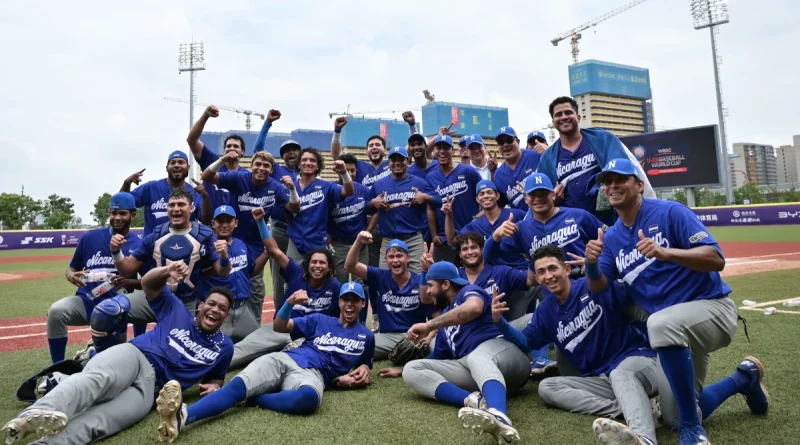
755	215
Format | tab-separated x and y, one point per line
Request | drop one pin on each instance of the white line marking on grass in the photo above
751	262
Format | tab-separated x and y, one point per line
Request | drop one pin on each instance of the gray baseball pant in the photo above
281	238
339	255
279	371
385	342
70	311
495	359
416	247
114	391
626	391
263	340
375	248
240	323
255	304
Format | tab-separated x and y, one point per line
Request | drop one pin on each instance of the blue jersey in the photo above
238	281
483	227
415	170
324	300
349	217
588	328
178	350
459	186
217	195
309	228
577	172
194	246
154	196
279	171
398	309
506	178
653	284
367	174
93	253
454	342
506	279
403	219
247	197
331	348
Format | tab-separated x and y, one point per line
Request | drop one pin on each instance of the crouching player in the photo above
115	390
337	352
471	365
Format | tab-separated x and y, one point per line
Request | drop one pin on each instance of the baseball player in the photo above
471	366
401	202
178	240
478	157
337	352
518	165
314	277
463	151
249	190
576	158
420	164
398	290
91	270
116	388
537	142
670	264
456	184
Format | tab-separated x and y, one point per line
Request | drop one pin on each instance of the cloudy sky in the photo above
82	86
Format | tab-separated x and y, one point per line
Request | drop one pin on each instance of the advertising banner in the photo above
43	239
755	215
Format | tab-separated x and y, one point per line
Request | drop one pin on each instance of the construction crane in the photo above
364	113
575	34
247	113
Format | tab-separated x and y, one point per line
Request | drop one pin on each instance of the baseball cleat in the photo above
614	433
756	395
475	400
490	421
693	435
543	367
172	410
655	406
289	346
40	421
49	382
85	354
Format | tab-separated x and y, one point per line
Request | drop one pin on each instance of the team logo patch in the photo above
698	236
362	336
653	228
460	176
569	220
584	298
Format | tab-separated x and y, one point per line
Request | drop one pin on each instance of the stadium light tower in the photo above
191	58
711	14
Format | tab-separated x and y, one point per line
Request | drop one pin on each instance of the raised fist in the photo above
221	247
364	237
211	111
408	116
258	213
273	115
116	242
299	297
339	123
339	168
287	182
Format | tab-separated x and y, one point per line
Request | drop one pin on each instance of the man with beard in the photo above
249	190
314	277
153	195
420	164
396	288
471	365
537	142
575	159
456	184
518	165
115	390
367	173
338	353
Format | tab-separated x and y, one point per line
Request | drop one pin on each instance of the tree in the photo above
750	192
17	210
703	197
790	196
680	196
139	220
57	212
102	209
75	222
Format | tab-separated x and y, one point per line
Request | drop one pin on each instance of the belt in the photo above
239	303
403	237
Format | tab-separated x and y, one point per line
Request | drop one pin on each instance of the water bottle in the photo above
770	311
102	289
793	303
748	303
94	277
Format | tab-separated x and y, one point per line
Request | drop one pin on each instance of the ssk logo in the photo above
41	240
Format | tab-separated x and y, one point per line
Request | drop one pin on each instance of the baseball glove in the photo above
406	351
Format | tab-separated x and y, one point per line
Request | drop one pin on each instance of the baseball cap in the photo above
485	184
396	243
399	151
122	201
508	131
537	181
474	139
289	145
536	134
444	270
416	136
224	210
351	287
443	139
463	140
177	154
620	167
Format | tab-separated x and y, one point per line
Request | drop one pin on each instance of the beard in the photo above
441	301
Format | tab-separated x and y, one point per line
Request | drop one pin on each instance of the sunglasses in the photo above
504	140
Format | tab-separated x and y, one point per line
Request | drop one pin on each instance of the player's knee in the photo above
308	400
547	391
57	313
411	369
665	331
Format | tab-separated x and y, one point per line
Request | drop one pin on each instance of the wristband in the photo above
117	256
337	135
214	167
593	271
286	311
224	262
293	196
263	230
412	124
423	279
346	179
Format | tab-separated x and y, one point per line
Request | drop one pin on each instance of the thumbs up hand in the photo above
506	230
649	248
594	248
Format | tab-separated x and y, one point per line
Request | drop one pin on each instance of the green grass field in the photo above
391	413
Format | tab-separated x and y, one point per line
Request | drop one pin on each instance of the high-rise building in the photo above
787	164
738	170
759	162
612	96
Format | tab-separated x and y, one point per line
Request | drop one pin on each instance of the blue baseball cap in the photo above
443	139
536	134
396	243
508	131
474	139
444	270
416	136
463	140
619	166
485	184
289	145
122	201
177	154
537	181
399	151
351	287
224	210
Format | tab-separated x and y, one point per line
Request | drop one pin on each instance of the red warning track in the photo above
35	259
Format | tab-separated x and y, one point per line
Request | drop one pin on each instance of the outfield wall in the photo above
43	239
750	215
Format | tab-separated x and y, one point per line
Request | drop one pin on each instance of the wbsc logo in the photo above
37	240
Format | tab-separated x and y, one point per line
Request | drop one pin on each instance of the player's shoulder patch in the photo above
698	236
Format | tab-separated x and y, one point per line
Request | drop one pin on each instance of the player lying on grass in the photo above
471	365
337	352
116	388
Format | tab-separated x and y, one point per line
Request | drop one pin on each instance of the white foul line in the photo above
751	262
764	256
